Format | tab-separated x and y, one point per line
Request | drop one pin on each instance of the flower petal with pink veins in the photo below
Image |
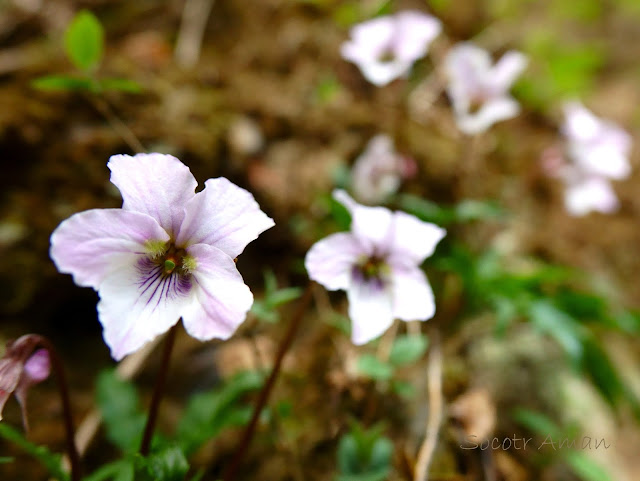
89	244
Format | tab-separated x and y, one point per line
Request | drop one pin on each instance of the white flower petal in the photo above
412	295
592	194
414	240
137	303
493	111
88	244
368	40
223	215
221	298
414	32
154	184
330	261
506	71
370	311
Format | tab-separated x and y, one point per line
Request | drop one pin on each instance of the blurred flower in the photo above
21	368
385	48
377	263
596	146
597	151
168	253
378	171
478	90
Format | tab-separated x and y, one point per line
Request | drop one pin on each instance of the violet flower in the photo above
597	151
479	90
385	48
379	170
20	369
595	146
377	263
167	254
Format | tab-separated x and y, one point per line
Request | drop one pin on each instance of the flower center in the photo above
173	260
387	55
372	268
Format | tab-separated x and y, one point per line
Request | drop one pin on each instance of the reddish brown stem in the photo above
263	397
158	391
63	387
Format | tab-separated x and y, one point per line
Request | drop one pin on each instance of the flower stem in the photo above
158	391
63	387
263	397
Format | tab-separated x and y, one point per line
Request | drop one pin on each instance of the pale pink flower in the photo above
377	263
596	151
379	170
167	254
385	48
20	368
479	91
590	194
596	146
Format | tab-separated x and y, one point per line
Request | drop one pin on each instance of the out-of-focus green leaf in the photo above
585	468
560	326
603	374
403	389
210	412
340	214
84	40
166	464
120	84
364	455
120	470
52	462
470	210
537	422
6	460
62	83
120	406
426	210
374	368
407	349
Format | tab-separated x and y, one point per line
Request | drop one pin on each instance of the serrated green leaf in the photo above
585	468
52	462
374	368
62	83
407	349
120	406
84	40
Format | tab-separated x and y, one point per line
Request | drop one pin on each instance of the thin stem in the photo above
63	387
434	387
263	397
158	391
118	125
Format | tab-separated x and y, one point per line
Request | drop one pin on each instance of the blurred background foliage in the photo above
537	311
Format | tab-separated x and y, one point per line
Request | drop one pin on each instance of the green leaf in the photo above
84	40
340	214
407	349
469	210
372	367
52	462
403	389
602	372
284	296
120	84
364	455
537	422
6	460
166	464
210	412
62	83
121	470
585	468
119	403
559	325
